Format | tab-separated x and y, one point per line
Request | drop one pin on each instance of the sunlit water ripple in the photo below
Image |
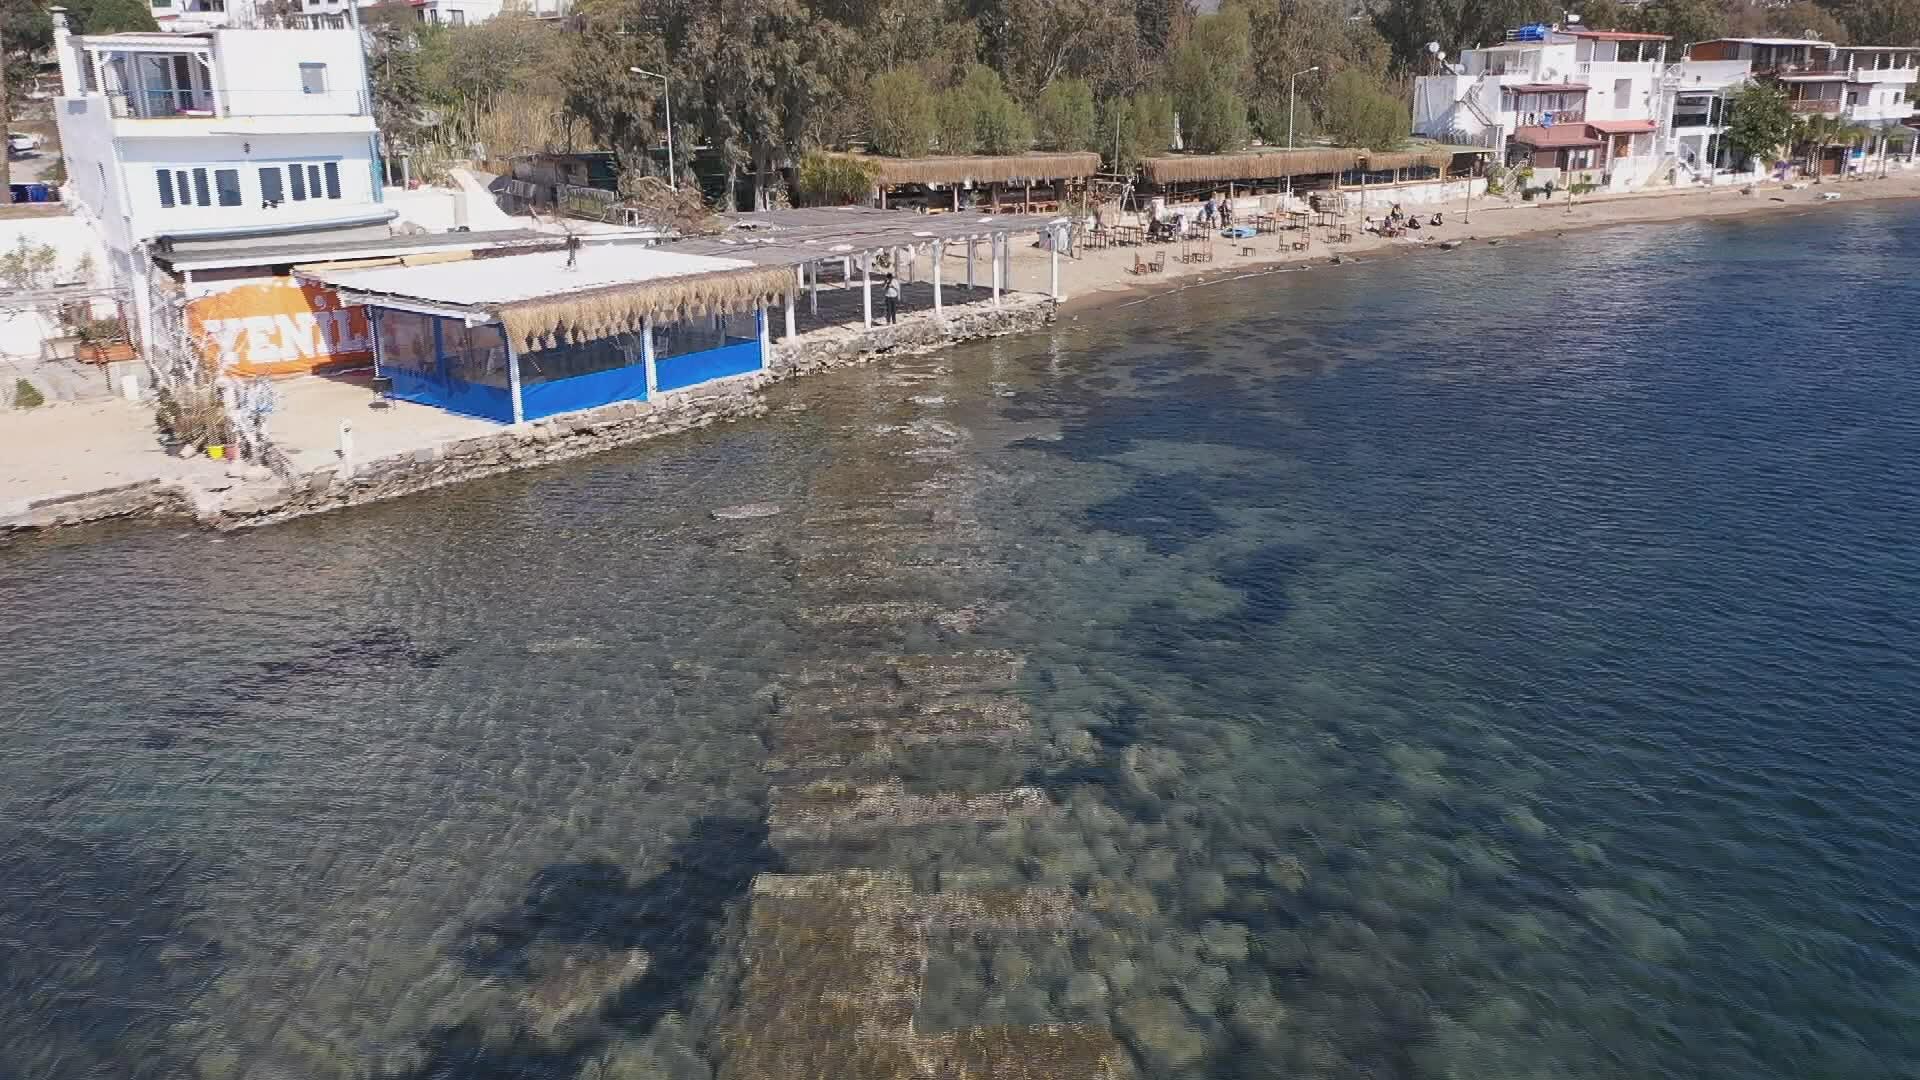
1499	664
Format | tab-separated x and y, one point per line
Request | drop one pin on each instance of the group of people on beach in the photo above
1399	221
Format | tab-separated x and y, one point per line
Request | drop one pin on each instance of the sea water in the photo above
1499	663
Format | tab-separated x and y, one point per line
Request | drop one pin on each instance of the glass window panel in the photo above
226	183
201	196
332	170
166	187
297	180
271	190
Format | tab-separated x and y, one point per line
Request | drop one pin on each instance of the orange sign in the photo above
280	327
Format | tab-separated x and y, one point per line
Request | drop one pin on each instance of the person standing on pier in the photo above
893	298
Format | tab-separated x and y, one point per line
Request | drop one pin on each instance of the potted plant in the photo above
102	341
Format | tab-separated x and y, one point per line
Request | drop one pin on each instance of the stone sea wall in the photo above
262	500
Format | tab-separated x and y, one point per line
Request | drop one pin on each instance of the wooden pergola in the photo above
1015	175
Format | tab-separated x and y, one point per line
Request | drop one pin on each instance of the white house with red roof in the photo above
1575	104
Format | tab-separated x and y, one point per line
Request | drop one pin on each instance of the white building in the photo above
1871	86
1700	93
214	135
1587	102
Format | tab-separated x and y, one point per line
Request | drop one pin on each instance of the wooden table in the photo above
1133	235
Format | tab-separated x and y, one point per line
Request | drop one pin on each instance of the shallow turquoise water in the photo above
1481	665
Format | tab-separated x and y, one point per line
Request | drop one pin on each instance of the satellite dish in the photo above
1433	47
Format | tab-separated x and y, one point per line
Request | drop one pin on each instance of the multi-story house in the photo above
1577	101
239	136
1700	93
1869	86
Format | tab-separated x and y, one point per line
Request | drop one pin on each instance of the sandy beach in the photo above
1099	278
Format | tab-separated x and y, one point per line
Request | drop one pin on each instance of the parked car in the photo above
22	143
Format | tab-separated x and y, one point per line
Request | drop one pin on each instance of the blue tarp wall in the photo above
444	363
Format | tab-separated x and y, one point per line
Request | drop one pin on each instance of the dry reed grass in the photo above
980	169
623	309
1201	168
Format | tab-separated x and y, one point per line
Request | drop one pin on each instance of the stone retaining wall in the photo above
554	439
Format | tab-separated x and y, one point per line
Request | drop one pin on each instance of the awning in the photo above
1550	88
1565	136
1621	127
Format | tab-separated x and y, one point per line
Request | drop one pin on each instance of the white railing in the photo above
177	104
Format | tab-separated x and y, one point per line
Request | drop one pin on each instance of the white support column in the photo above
993	256
1053	242
793	297
972	242
513	381
646	356
937	256
766	333
846	272
866	289
813	289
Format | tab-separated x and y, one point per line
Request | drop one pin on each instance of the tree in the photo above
109	16
1408	25
1799	19
1046	40
1360	112
1209	74
393	67
1137	127
1005	127
1812	135
1881	22
1290	36
1063	117
900	105
1759	121
977	114
1684	20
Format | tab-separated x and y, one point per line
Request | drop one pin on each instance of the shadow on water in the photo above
102	937
676	917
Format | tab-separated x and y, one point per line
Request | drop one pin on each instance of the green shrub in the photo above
1361	112
26	395
834	180
1004	127
1063	117
900	105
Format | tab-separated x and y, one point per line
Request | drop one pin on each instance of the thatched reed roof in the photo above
1260	165
979	168
623	309
1388	160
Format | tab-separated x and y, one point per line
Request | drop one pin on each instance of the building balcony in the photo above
1816	106
161	113
196	104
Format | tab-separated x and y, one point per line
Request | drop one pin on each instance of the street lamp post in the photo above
666	91
1291	98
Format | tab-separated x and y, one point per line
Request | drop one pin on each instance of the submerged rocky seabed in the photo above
1157	699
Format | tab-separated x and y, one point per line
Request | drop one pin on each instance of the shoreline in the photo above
1093	282
1106	287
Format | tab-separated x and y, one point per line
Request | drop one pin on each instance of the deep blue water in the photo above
1490	664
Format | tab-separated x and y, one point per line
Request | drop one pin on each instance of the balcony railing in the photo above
1552	116
1816	105
207	104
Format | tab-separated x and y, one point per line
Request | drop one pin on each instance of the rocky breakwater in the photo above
261	501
